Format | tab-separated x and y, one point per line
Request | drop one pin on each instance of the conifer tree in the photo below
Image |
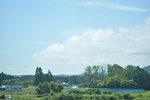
49	77
39	76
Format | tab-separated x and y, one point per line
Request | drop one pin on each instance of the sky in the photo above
65	36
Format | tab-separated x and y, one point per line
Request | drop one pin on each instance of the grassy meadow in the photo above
82	94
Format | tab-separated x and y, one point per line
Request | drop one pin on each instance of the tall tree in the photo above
39	76
114	69
93	73
49	76
139	75
98	72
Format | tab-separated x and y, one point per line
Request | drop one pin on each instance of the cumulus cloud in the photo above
99	46
112	6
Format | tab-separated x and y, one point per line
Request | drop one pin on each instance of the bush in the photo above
25	84
76	91
47	87
128	97
66	97
112	98
86	91
94	91
107	92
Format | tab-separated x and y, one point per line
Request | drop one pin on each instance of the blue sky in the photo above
53	33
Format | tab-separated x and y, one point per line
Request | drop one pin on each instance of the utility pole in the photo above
11	98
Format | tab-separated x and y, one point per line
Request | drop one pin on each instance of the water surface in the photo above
114	90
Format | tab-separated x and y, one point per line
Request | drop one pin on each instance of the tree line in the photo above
4	76
117	76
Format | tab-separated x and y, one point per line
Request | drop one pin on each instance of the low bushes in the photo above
85	91
89	94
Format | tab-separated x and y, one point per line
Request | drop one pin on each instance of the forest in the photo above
51	87
115	76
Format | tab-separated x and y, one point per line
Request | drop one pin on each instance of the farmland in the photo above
81	94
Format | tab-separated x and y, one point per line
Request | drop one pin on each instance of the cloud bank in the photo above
98	46
112	6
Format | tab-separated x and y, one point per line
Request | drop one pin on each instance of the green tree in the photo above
114	69
39	76
116	81
47	87
11	82
48	76
98	72
139	75
87	74
4	76
93	73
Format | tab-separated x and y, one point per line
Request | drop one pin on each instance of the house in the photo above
12	87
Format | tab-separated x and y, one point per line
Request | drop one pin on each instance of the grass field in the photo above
141	96
30	94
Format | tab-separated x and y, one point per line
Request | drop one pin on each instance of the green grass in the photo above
29	90
141	96
26	97
30	94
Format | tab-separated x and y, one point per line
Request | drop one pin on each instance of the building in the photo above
12	87
2	88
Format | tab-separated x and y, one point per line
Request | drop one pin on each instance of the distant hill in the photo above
147	68
62	75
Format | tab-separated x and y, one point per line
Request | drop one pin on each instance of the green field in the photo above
141	96
83	94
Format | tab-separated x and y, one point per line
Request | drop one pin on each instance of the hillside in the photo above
147	68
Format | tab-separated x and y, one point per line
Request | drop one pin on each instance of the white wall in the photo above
13	87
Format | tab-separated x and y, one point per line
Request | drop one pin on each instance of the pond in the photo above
114	90
122	90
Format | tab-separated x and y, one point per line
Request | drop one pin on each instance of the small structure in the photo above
12	87
2	88
65	83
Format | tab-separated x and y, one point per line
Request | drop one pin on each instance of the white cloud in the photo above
98	46
112	6
129	8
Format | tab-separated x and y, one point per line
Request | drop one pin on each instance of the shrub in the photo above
128	97
107	92
86	91
47	87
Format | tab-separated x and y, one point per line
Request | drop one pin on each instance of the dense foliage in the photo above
40	77
48	76
88	94
116	76
47	87
119	77
4	76
147	68
26	77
